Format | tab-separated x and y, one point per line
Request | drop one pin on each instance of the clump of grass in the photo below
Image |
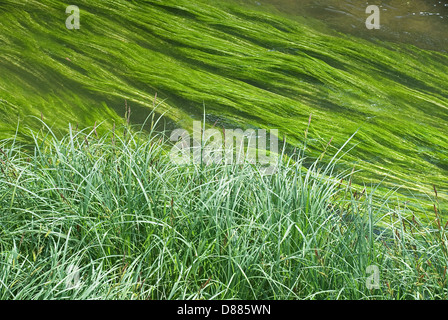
93	216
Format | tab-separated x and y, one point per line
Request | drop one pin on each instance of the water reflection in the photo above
422	23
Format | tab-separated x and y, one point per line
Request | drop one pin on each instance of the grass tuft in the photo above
107	216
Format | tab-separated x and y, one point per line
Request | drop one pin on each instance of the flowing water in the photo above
417	22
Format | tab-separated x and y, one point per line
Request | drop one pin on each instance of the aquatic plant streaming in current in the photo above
247	66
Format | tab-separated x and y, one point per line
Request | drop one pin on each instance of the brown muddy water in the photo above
421	23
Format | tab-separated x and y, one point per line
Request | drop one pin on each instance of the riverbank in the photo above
110	216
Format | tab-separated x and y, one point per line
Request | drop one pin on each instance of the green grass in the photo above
110	206
115	210
248	67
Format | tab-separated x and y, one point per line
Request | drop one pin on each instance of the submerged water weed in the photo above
249	67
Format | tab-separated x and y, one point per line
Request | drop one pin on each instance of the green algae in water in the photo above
250	68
